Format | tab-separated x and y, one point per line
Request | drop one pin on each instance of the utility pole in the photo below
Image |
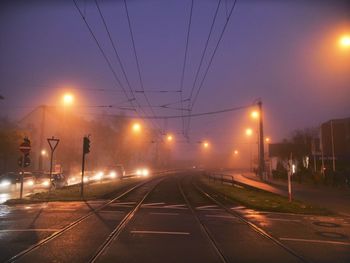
53	142
261	169
86	150
41	140
332	137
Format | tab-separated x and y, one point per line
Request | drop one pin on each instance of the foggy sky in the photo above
284	52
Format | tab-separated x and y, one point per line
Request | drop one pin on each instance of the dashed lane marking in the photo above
159	232
153	204
282	219
166	214
316	241
30	230
222	216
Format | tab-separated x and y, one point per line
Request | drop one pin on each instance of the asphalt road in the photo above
168	219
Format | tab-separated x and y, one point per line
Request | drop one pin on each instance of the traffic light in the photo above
26	160
86	145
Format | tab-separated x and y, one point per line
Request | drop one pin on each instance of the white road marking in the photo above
206	206
169	214
316	241
61	209
282	219
30	230
111	211
119	205
222	216
175	206
125	203
153	204
238	207
158	232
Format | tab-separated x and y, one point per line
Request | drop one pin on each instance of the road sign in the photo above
53	142
25	146
24	161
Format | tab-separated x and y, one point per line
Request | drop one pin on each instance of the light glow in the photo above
136	127
5	183
169	137
68	99
254	114
249	132
344	41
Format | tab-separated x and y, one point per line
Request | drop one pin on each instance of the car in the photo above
7	180
12	178
142	171
57	180
115	171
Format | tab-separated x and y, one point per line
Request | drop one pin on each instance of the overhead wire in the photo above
202	59
184	63
211	59
102	52
137	59
118	57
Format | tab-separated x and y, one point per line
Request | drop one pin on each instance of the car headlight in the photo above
46	183
145	172
30	183
86	179
138	172
5	183
113	174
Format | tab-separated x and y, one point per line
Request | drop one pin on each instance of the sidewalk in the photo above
335	199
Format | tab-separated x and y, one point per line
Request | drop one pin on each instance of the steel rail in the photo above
74	223
249	223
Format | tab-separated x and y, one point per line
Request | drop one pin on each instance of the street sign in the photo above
53	142
25	146
24	161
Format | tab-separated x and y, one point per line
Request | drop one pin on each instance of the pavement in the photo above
168	220
335	199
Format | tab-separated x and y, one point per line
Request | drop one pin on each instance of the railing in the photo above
223	178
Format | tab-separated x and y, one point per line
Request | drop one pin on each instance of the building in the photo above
335	139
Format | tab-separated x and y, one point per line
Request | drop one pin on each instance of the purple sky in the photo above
284	52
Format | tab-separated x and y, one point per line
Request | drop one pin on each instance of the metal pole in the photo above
42	130
289	177
261	142
22	174
82	176
51	161
333	156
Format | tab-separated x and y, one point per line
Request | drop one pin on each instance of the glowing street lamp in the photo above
344	41
235	152
267	139
206	145
67	99
254	115
136	127
249	132
43	152
169	138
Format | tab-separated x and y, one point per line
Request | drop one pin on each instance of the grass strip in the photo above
93	191
262	200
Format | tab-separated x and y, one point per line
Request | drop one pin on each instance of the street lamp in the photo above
249	132
254	115
344	41
206	144
235	152
43	152
136	127
68	99
267	139
169	138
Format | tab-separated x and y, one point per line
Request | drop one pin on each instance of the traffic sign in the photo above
53	142
25	146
